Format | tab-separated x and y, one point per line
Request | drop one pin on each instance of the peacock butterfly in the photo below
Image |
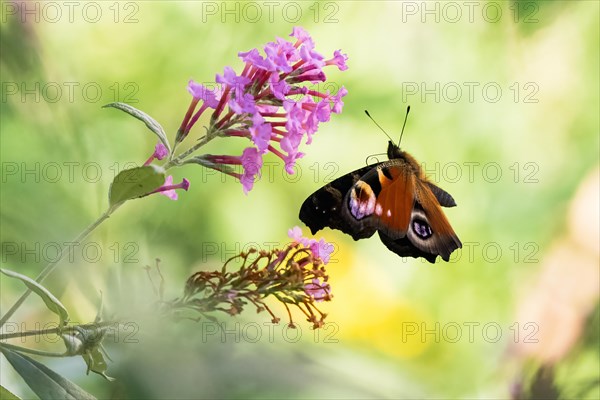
393	198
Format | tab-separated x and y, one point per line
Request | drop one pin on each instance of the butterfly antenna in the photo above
374	156
375	122
404	124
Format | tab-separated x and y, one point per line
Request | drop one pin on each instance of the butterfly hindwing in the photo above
429	228
404	248
443	197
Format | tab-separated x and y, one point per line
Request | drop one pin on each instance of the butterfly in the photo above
393	198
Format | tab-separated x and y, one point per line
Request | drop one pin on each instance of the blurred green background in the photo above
504	99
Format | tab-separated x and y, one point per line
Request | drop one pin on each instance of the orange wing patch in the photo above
395	201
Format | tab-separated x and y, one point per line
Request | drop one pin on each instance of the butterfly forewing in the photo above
324	207
395	201
382	199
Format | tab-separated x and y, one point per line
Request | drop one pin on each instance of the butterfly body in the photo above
393	198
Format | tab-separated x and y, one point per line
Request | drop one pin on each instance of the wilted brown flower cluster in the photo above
294	275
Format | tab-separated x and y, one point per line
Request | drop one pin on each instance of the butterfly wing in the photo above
405	209
429	229
389	198
382	199
324	207
404	248
443	197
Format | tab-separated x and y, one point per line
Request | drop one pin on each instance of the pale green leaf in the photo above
6	394
51	302
150	122
96	362
44	382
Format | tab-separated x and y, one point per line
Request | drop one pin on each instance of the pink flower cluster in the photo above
269	103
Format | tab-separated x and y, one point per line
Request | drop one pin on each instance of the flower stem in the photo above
31	351
43	332
59	330
210	135
51	266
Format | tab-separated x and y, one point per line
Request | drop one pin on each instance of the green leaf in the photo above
150	122
52	302
6	394
44	382
135	182
96	362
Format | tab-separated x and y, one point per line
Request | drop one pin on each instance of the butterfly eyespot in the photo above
421	229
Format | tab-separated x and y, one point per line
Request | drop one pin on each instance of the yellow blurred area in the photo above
367	313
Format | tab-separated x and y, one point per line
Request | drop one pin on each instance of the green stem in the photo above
210	135
58	330
51	266
32	351
12	335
